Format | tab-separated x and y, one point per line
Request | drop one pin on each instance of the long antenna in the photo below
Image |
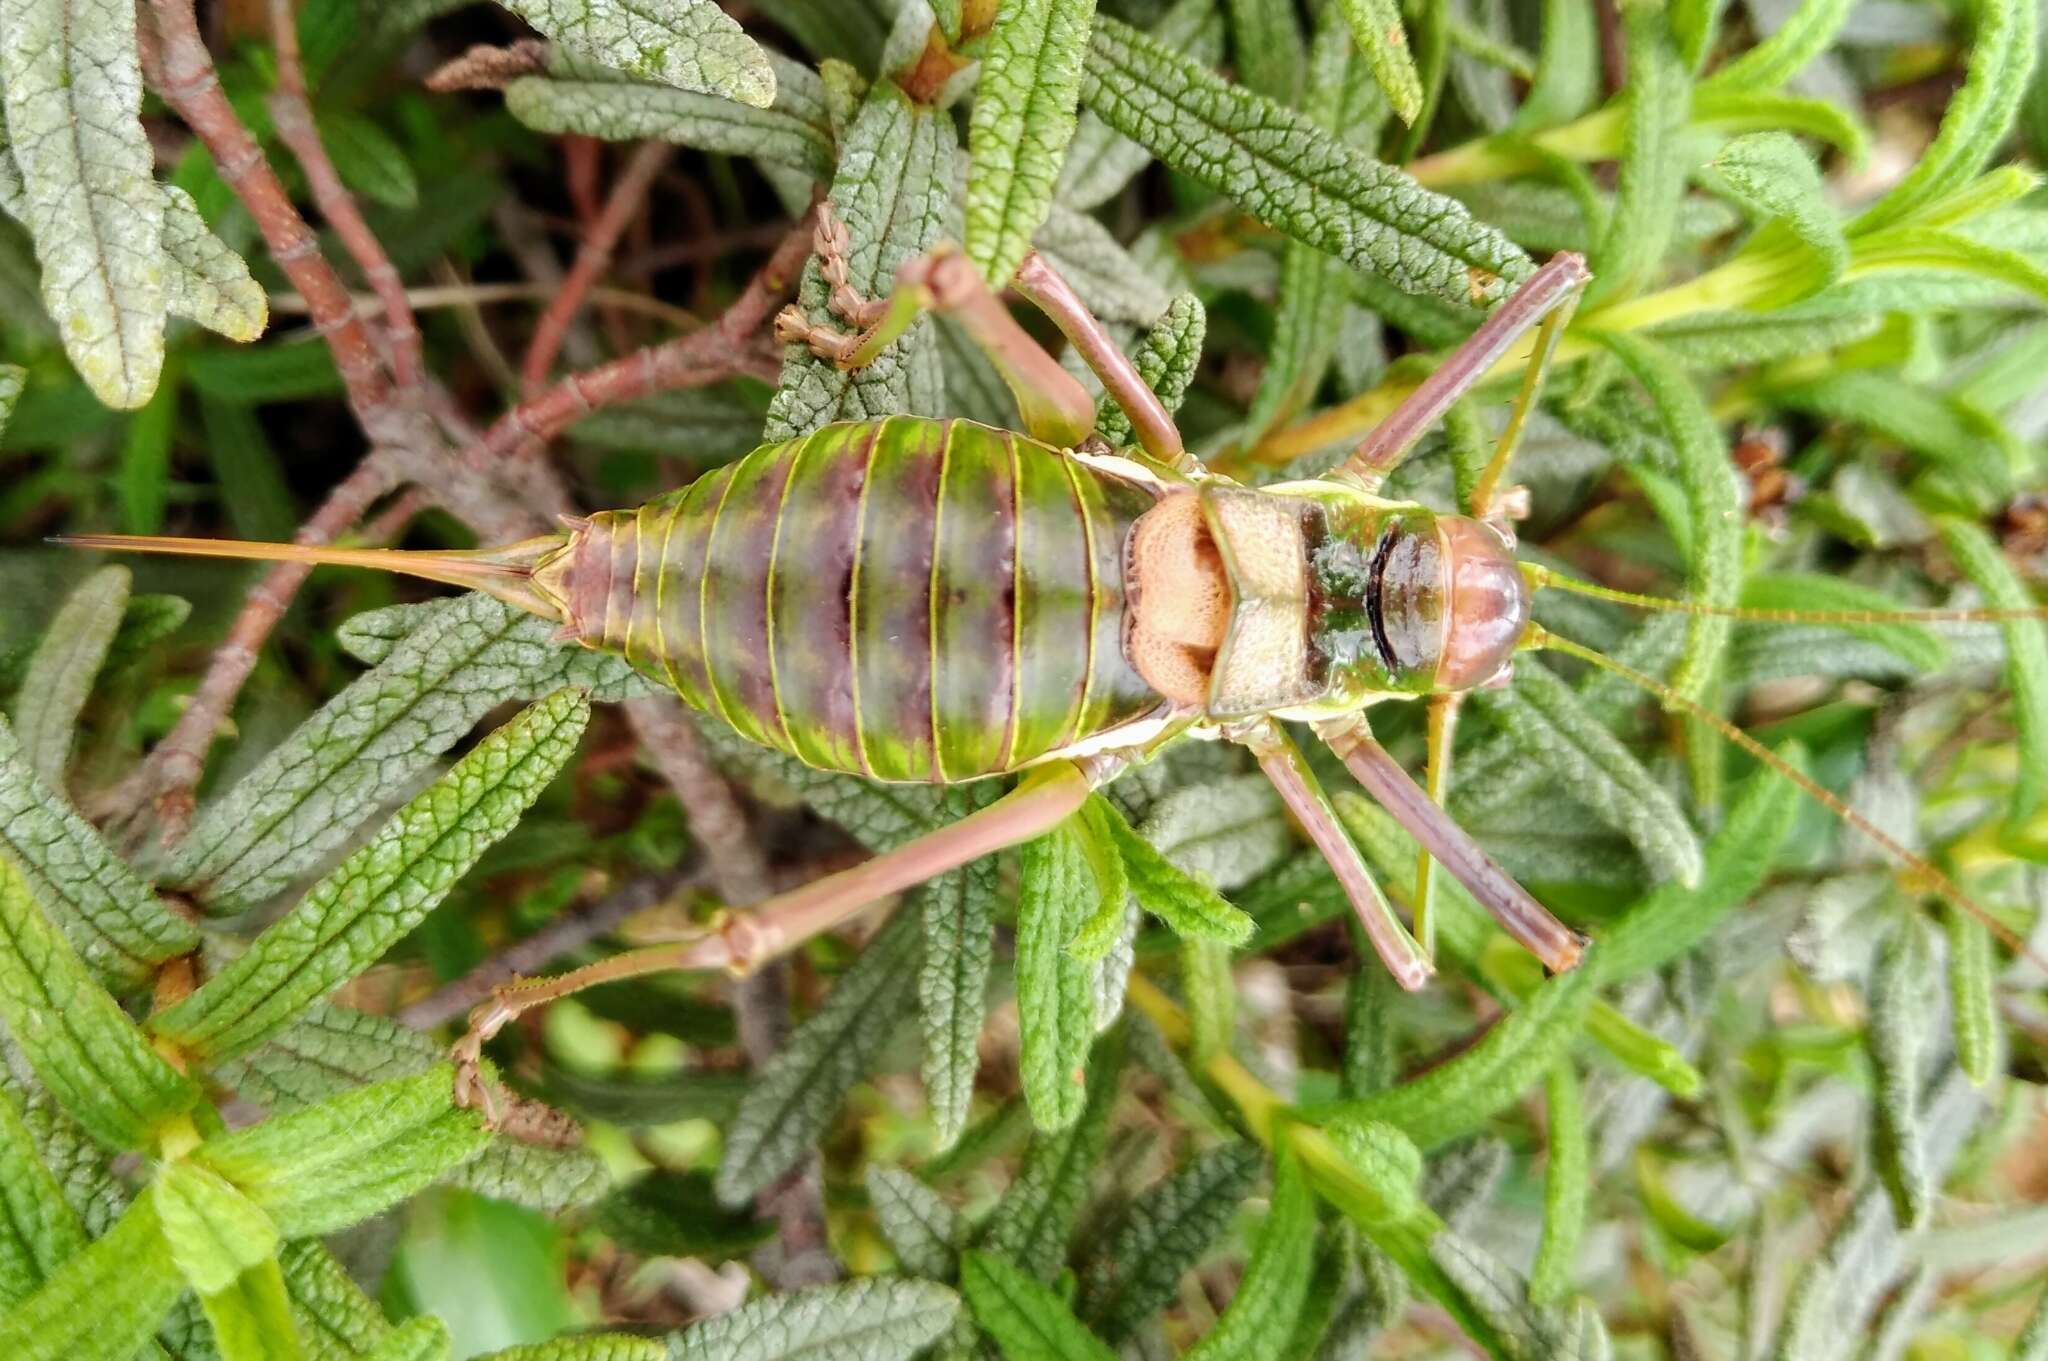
1923	868
1543	576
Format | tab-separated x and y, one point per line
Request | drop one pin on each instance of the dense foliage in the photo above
1138	1089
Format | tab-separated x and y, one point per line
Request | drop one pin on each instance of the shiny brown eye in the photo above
1489	604
1406	598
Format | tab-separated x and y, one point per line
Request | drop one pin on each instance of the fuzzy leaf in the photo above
440	670
1293	176
1904	1002
1059	890
957	910
62	670
2026	657
1167	358
1180	899
1025	114
537	1176
1027	1321
204	280
1163	1234
1969	447
1652	178
1376	24
328	1050
795	1097
894	192
332	1310
1226	832
1972	994
1036	1216
879	1319
1774	178
1276	1278
104	1302
252	1317
377	896
324	1168
690	44
1802	37
216	1233
1100	160
1567	68
1265	47
1566	1188
591	1347
73	101
39	1232
1917	645
922	1230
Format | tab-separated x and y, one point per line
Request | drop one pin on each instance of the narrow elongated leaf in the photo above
252	1317
333	1313
73	102
1567	68
39	1232
1276	1278
327	1051
1167	358
793	1099
1025	114
1972	995
2026	657
1376	24
894	191
367	160
1036	1216
1652	179
104	1302
1797	41
204	280
2032	1344
1100	160
380	893
1293	176
1180	899
1163	1234
12	379
690	44
925	1232
62	670
1266	47
880	1319
1969	447
324	1168
1058	891
1904	999
84	1048
1566	1187
216	1233
440	670
1919	646
1226	832
958	914
593	1347
1774	178
1027	1321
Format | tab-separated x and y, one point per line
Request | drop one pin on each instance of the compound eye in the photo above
1488	609
1408	586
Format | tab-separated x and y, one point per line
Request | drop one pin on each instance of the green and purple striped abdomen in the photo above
906	599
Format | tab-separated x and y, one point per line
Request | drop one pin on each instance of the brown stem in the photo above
592	259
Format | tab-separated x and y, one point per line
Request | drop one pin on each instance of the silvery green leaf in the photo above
1163	1233
1101	160
1059	890
1167	358
1033	1222
1226	832
2026	661
1972	995
1025	113
1904	1008
62	670
1376	24
1462	1179
73	101
382	891
440	669
1114	285
1111	975
1266	47
958	914
924	1232
879	1319
690	44
39	1232
584	1347
327	1051
894	192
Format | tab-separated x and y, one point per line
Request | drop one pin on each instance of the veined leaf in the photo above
324	1168
1036	1216
1276	1278
894	191
85	1049
252	1317
793	1098
1226	832
1180	899
1797	41
62	670
73	100
1027	1321
2026	656
380	893
104	1302
1376	24
880	1319
1100	160
1567	68
328	1050
690	44
538	1176
1025	114
1975	452
1265	47
215	1232
367	160
39	1232
205	281
924	1232
1652	178
1293	176
440	669
1904	1001
1972	995
1774	178
1566	1187
1721	340
1167	358
1917	645
332	1310
957	911
590	1347
1059	889
1163	1234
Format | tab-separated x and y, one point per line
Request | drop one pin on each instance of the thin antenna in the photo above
1918	864
1539	577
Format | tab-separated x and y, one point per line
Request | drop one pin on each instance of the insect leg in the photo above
1282	762
1153	424
1548	290
1519	914
1436	783
747	939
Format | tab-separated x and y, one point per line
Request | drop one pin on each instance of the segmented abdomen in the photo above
906	599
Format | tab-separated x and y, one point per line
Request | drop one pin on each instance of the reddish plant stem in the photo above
291	112
719	351
593	258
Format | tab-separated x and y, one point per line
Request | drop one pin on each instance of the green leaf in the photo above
581	97
1917	645
1058	891
2032	1344
1904	1002
1796	42
1774	178
1226	832
440	670
1265	47
796	1095
144	476
252	1317
39	1231
1163	1235
1025	114
1036	1216
424	1338
104	1302
1167	358
2001	58
690	44
328	1050
924	1232
1652	178
321	1169
80	1043
1376	24
1972	994
591	1347
879	1319
1102	928
73	101
1027	1321
1566	1187
957	911
2026	656
1275	1280
894	191
62	670
216	1233
537	1176
13	378
332	1311
1567	68
1183	901
1549	721
377	896
1293	176
205	281
367	160
1100	160
1975	452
